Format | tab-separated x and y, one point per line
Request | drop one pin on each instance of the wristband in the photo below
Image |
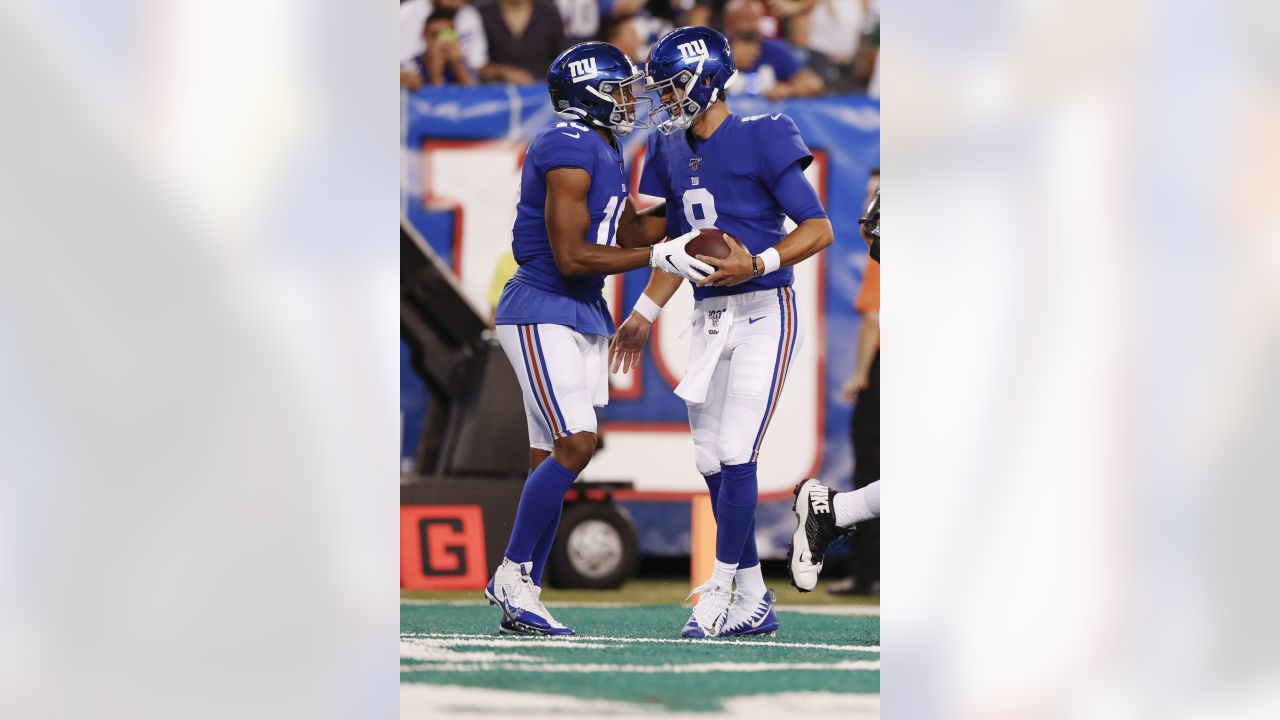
771	260
647	308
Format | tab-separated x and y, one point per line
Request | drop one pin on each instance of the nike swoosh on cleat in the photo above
752	321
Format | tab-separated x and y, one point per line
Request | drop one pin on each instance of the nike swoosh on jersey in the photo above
752	321
572	136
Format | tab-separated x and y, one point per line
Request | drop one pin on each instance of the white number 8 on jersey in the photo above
700	197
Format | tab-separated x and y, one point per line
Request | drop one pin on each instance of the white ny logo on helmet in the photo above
693	50
583	69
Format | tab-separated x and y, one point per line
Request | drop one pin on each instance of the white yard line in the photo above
498	642
450	702
595	642
578	668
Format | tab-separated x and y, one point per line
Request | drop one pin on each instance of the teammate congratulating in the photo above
552	320
744	176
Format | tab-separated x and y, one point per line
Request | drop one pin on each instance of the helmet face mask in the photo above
626	114
688	71
596	84
680	112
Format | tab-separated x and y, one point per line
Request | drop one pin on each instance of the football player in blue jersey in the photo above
552	321
744	176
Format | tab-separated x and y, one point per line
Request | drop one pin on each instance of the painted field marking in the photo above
452	702
848	665
439	653
533	644
592	642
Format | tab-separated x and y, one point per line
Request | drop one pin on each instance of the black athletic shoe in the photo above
815	532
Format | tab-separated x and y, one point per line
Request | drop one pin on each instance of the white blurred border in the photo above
1081	329
198	431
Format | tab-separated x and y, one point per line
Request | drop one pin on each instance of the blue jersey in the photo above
539	293
728	182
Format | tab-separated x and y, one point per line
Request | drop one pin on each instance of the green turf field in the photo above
628	660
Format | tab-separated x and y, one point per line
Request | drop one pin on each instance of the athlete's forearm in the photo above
569	221
662	286
808	239
590	259
642	228
868	342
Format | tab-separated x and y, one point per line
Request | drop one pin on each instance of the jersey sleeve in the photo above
796	196
560	148
653	181
780	140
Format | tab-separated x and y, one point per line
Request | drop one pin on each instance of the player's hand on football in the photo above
627	343
732	270
671	257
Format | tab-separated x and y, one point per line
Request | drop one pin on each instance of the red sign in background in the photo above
442	547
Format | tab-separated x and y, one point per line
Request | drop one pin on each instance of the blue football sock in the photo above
750	556
540	502
735	512
713	487
542	550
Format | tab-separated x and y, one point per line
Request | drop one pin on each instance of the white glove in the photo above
671	257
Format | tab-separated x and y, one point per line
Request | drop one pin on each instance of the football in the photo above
709	242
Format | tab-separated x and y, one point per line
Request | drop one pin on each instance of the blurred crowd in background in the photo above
783	48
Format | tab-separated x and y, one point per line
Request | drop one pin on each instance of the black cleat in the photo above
815	532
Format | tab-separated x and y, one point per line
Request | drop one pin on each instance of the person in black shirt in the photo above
524	37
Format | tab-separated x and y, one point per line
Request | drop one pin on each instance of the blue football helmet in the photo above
582	82
695	61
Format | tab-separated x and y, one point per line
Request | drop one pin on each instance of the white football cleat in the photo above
709	614
555	624
523	613
750	615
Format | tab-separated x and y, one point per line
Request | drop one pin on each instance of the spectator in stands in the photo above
621	32
524	36
829	29
413	16
792	18
441	63
581	19
767	67
867	62
711	13
622	8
